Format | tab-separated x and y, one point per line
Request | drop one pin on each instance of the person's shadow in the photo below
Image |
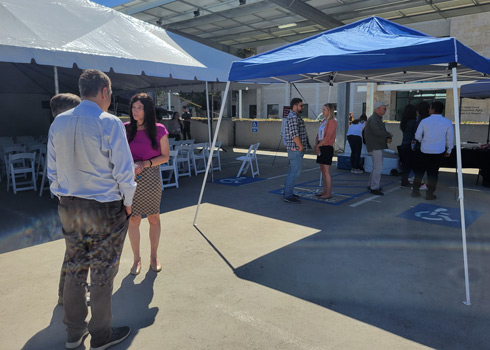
130	306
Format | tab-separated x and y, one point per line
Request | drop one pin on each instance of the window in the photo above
273	111
404	98
252	111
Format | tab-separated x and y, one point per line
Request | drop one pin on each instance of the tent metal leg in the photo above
460	183
210	159
56	81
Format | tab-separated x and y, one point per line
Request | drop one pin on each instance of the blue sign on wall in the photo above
255	126
439	215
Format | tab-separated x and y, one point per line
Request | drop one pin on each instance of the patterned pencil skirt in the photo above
148	192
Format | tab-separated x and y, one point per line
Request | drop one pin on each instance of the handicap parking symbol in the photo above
238	181
445	216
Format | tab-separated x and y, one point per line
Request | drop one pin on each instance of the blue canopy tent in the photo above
478	89
370	50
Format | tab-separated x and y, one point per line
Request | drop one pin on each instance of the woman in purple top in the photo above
148	142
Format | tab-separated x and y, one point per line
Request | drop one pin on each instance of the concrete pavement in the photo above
257	273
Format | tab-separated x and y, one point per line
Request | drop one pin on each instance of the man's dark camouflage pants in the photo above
94	234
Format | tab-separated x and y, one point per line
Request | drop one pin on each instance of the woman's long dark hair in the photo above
423	110
150	119
409	113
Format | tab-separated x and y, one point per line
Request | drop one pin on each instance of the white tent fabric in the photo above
352	57
89	35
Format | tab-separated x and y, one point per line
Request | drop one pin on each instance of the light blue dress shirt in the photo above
89	156
436	134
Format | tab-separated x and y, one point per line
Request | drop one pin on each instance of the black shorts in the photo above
326	154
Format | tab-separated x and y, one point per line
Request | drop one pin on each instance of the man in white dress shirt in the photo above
92	173
436	136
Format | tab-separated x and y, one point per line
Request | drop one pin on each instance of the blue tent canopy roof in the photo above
365	50
478	89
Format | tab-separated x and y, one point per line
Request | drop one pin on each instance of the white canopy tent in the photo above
45	44
370	50
89	35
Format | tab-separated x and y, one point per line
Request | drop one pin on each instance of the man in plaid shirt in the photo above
296	141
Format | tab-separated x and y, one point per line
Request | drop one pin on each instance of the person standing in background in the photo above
436	137
61	103
296	140
408	125
354	137
186	117
325	140
377	138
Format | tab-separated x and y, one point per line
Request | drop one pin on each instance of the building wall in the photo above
238	133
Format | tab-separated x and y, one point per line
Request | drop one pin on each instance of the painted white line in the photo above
373	197
363	201
468	189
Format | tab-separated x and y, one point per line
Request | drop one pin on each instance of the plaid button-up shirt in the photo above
295	126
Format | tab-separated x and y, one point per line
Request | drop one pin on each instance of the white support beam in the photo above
443	85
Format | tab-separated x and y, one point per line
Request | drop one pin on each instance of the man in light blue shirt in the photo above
436	136
92	173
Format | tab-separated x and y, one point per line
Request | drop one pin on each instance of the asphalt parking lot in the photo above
355	272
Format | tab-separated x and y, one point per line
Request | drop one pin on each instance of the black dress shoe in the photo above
430	196
377	192
369	188
415	193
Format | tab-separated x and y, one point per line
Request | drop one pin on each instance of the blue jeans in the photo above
295	162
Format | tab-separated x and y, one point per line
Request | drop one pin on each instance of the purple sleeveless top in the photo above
141	145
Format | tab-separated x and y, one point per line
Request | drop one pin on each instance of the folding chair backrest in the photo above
18	157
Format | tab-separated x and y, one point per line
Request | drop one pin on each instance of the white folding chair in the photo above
168	171
44	179
22	165
40	150
7	151
187	142
172	143
184	160
198	154
216	156
248	161
25	139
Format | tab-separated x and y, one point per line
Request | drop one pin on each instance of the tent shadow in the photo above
367	282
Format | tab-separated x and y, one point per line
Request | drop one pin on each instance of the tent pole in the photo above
460	182
207	111
210	159
56	81
210	123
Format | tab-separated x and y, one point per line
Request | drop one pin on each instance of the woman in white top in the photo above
354	136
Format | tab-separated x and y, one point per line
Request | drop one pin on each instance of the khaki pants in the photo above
94	235
375	177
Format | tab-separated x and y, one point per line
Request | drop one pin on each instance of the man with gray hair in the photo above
377	138
91	169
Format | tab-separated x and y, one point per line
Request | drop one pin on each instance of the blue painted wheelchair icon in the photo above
445	216
238	181
439	214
